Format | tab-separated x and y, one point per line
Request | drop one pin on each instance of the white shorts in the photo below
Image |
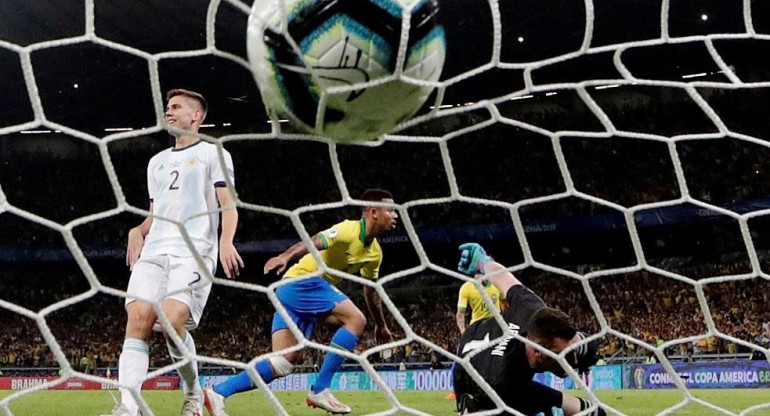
157	278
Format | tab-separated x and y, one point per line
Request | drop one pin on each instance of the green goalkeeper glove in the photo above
555	411
473	258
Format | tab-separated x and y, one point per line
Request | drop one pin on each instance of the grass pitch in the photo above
165	403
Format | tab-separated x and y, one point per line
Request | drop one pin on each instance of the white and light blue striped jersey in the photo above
182	186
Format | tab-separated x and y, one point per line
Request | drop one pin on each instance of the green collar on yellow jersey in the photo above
362	234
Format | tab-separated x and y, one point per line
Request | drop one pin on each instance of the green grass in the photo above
165	403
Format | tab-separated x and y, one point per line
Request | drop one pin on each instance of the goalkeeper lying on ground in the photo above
508	366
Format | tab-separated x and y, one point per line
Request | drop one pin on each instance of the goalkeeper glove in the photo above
472	259
587	355
555	411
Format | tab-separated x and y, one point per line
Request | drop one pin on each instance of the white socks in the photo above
189	371
132	369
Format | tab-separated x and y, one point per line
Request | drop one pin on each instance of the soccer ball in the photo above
344	43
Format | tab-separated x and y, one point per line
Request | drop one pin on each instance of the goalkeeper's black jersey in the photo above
504	366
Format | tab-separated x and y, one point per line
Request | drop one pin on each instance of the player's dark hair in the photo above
548	324
375	194
189	94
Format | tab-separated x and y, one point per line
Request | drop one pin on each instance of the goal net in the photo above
612	153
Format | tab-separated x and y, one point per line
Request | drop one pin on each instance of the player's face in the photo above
182	112
386	217
547	363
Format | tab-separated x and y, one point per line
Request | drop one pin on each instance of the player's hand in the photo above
231	260
555	411
472	259
382	334
277	263
587	355
134	247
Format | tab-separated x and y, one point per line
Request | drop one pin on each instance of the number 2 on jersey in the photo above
173	186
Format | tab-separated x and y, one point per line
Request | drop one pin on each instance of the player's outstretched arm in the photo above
474	260
500	276
573	405
460	319
374	304
228	255
462	306
279	262
136	240
555	411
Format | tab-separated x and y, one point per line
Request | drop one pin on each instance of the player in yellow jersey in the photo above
469	294
350	246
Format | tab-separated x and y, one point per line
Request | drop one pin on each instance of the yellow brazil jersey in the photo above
344	250
469	294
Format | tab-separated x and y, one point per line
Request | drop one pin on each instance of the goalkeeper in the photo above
509	366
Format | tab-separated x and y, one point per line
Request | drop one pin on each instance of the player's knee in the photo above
281	366
179	328
357	322
178	314
141	317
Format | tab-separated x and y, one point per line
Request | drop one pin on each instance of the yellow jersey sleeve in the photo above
464	296
341	233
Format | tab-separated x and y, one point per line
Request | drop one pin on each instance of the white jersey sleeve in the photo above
182	187
152	190
218	171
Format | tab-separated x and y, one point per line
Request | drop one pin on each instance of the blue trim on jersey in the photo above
304	300
220	184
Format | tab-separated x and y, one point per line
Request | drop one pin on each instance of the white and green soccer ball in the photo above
344	43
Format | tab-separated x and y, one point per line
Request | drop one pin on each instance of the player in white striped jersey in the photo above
186	185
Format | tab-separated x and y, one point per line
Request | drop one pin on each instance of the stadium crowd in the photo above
645	305
649	307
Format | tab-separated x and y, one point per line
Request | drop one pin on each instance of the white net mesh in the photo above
578	112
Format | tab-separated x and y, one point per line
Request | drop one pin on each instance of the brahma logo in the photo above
75	384
25	383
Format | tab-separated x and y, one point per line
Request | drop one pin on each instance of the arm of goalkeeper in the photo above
586	355
572	405
555	411
474	261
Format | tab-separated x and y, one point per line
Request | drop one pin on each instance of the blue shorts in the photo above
304	301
